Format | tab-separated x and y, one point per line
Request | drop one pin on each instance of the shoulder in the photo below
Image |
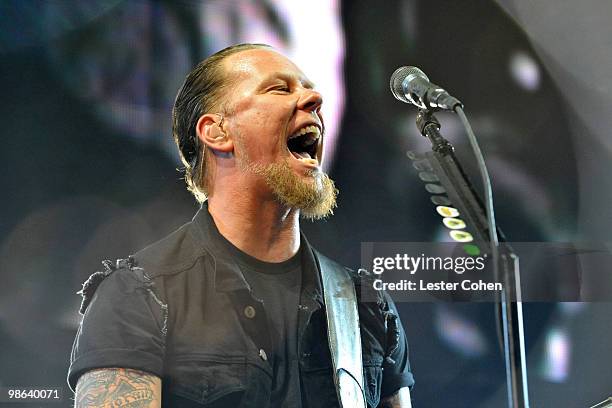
172	254
126	278
326	263
362	280
148	268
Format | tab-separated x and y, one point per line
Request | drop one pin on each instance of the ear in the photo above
210	132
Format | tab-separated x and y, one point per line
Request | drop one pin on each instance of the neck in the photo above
259	227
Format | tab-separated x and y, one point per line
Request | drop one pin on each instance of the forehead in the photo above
257	65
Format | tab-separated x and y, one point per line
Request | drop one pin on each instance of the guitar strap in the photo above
343	332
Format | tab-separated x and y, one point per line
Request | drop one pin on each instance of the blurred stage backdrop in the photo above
89	169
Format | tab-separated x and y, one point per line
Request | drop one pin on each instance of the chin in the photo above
311	191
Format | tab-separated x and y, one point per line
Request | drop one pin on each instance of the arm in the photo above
118	387
401	399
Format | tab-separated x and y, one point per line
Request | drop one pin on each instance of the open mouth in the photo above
304	143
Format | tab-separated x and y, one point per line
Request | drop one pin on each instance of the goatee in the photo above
315	197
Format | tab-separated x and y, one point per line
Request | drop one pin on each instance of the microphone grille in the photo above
397	78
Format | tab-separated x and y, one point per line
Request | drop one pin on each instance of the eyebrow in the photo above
306	83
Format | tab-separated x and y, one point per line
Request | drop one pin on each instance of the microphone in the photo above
411	85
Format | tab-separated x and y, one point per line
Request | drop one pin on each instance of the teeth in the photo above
307	129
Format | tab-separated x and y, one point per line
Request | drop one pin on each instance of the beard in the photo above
315	197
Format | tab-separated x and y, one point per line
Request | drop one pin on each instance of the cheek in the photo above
260	146
269	149
261	128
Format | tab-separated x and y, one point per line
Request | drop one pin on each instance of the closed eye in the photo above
281	88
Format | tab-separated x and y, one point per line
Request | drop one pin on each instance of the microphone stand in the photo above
462	195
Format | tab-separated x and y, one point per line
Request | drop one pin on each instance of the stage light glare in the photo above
525	71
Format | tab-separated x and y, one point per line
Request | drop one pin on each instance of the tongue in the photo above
301	155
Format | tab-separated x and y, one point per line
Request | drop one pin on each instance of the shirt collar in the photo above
228	276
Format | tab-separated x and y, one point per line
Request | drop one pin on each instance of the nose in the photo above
310	100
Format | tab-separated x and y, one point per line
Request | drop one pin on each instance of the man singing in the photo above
232	309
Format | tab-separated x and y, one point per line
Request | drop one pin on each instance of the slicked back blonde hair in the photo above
202	92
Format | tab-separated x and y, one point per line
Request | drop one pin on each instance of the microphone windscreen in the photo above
397	78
